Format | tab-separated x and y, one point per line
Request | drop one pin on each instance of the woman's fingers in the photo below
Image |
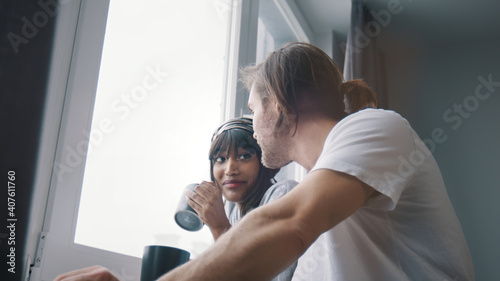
206	193
194	200
207	202
206	189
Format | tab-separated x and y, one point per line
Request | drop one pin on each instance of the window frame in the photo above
56	251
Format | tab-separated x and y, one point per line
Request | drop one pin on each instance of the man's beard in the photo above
275	152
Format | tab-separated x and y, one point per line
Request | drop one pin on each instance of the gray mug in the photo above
185	216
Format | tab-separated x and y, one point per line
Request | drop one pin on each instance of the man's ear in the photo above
276	106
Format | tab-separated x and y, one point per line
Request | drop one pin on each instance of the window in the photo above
145	91
278	24
159	99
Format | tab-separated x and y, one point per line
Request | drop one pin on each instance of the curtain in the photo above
363	58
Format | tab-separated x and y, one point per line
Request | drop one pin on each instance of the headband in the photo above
243	123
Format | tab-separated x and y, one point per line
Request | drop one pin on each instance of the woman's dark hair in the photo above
233	138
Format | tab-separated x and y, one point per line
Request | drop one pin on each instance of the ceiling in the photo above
435	22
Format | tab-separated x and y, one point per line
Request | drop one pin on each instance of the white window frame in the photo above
72	86
56	252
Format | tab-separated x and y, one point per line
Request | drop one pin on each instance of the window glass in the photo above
159	99
273	30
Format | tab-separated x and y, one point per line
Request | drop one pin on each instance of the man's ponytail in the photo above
357	96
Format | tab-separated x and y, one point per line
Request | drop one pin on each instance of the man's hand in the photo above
93	273
207	202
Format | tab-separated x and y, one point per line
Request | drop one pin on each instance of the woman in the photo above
237	175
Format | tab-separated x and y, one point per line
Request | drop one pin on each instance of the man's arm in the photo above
271	237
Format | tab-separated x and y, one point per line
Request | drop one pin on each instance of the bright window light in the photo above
159	99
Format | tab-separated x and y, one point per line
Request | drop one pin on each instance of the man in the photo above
372	207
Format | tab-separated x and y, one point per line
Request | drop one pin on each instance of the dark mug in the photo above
158	260
185	216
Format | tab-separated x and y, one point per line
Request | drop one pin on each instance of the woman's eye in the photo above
245	156
220	159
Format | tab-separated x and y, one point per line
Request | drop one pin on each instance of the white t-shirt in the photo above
409	231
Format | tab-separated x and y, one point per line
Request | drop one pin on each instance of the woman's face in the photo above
236	174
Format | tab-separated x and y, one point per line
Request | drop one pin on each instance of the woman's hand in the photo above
207	202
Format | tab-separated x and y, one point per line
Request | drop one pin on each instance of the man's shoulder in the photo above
374	114
371	120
